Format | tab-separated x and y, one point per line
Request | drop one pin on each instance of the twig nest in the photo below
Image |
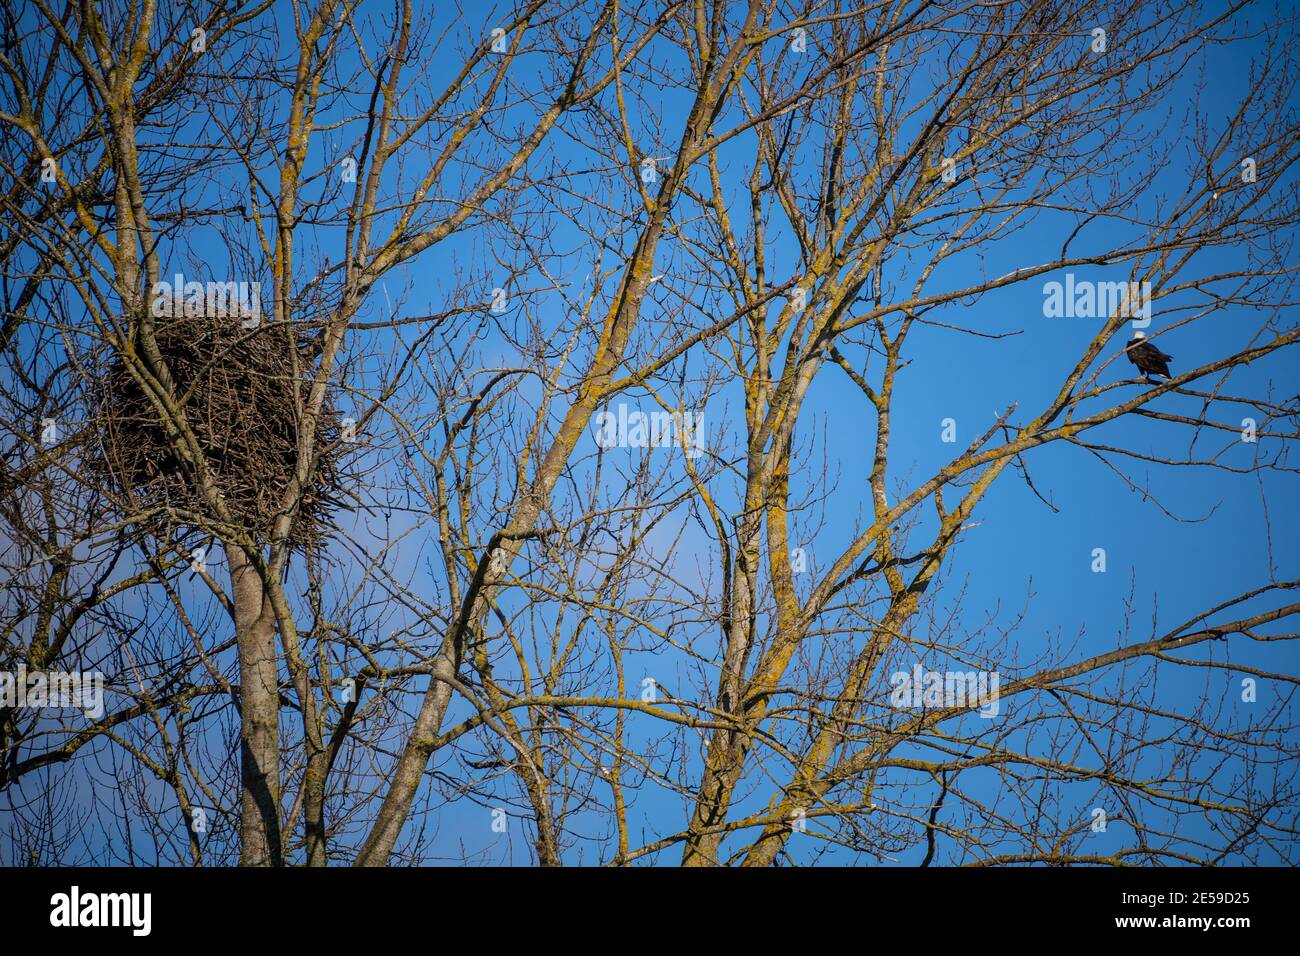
240	384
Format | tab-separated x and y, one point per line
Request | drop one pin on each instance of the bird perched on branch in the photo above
1149	359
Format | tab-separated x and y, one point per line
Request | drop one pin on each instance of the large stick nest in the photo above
239	395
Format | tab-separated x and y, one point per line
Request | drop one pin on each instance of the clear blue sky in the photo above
1022	559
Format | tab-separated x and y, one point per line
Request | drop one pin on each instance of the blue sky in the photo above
1021	560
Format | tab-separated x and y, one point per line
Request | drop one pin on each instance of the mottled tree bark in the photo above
259	708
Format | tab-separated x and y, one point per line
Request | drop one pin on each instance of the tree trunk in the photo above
259	715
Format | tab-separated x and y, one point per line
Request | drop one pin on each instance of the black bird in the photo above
1149	359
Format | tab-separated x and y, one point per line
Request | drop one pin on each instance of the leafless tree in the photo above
462	581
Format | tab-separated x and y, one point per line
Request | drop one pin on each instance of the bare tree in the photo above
562	445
